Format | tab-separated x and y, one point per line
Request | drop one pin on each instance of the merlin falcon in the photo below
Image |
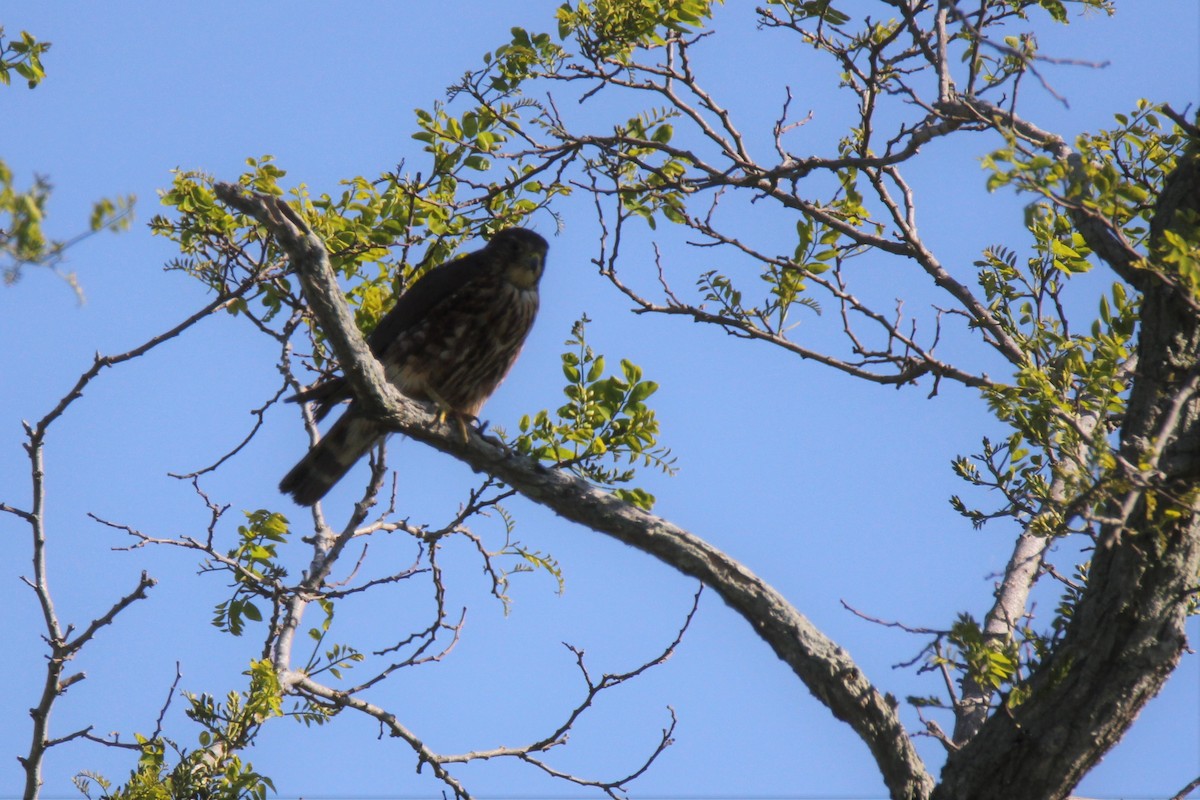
450	339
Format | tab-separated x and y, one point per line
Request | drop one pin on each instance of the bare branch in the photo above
219	303
1185	791
608	681
890	623
303	683
162	712
260	415
139	593
1180	119
388	720
25	515
84	732
62	647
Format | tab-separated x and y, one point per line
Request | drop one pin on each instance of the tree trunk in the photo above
1127	632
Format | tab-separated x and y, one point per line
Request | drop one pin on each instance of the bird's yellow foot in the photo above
446	412
464	421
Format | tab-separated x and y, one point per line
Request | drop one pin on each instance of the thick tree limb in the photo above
826	669
1127	632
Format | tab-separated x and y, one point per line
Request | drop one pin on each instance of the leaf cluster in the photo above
24	57
511	63
1074	381
613	29
650	176
1056	469
338	656
1116	175
214	769
821	10
604	429
254	567
989	660
382	234
220	248
23	241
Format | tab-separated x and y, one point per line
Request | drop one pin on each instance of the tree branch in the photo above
1105	240
139	593
826	669
62	648
1127	631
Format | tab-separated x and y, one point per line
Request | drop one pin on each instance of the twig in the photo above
1185	791
260	416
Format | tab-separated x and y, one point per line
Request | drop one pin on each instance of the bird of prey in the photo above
450	339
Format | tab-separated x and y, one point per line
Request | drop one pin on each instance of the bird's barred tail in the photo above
330	459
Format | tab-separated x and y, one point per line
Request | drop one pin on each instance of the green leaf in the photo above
631	371
637	497
596	370
642	390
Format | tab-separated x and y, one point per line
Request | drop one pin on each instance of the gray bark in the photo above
1127	632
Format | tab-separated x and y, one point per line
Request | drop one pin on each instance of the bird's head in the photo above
522	255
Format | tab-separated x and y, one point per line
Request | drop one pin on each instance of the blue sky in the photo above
830	489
